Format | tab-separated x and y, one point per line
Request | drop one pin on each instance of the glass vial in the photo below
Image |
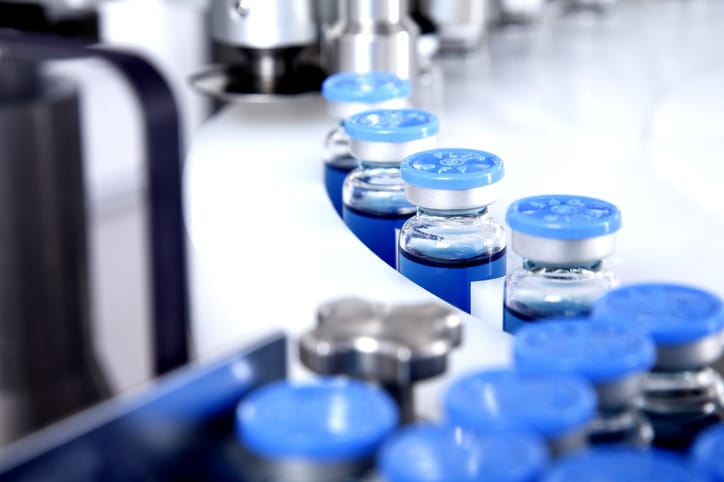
620	463
558	408
453	247
323	431
349	93
434	453
612	358
683	395
373	195
563	240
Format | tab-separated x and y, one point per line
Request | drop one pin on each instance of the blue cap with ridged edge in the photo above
392	125
332	419
563	216
433	453
500	400
452	168
598	352
671	314
366	88
621	464
707	453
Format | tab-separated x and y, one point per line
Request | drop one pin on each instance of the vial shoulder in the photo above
453	224
536	296
337	149
440	238
561	282
378	190
375	178
455	229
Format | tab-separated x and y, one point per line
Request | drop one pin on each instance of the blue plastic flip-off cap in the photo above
326	421
366	88
501	400
621	464
392	125
454	169
672	314
432	453
707	453
598	352
562	216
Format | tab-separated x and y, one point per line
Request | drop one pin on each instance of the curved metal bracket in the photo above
164	167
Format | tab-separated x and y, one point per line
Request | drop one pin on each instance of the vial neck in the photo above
439	213
531	265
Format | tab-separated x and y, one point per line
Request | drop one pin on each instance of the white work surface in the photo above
628	108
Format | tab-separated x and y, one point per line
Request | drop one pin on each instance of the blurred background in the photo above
618	99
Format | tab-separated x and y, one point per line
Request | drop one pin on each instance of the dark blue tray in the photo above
179	429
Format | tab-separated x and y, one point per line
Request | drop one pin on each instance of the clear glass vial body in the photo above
347	94
541	290
445	251
375	207
374	202
338	162
451	237
563	240
376	189
452	246
337	149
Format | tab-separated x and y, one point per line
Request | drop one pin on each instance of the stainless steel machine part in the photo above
394	345
264	24
62	9
372	35
47	365
264	50
461	24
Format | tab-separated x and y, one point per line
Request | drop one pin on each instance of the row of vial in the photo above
625	394
424	211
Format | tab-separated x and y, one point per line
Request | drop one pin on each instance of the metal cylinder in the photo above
47	366
461	24
373	35
259	469
264	24
453	199
262	49
563	252
366	11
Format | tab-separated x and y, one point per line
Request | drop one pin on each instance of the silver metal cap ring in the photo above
453	199
689	356
563	251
